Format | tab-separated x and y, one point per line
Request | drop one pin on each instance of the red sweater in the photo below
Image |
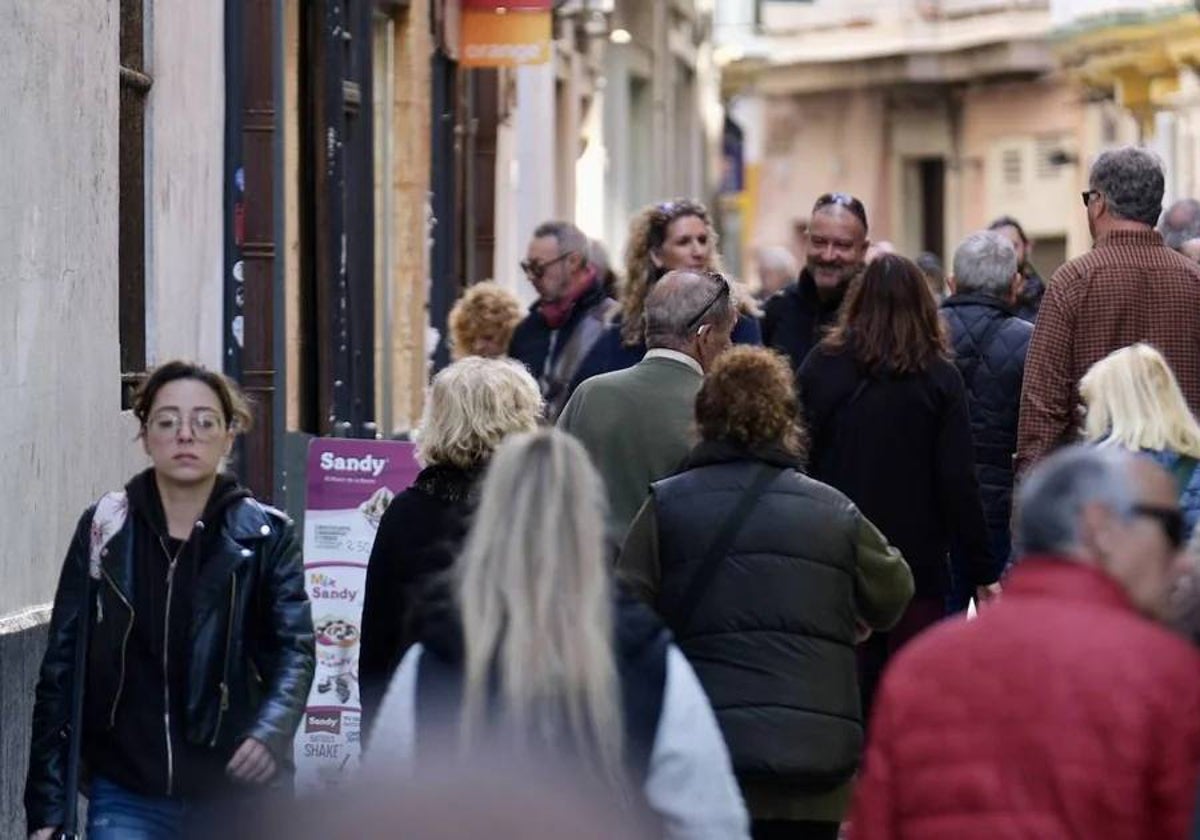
1058	713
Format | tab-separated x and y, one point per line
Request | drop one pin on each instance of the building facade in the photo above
940	116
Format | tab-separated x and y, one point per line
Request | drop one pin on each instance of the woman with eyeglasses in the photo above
663	237
201	638
1133	401
887	412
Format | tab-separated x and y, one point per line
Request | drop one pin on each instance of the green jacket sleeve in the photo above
884	583
638	564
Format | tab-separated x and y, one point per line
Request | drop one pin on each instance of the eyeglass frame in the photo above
1087	197
191	421
1171	520
537	270
723	290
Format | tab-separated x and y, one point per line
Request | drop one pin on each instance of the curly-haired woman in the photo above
662	237
483	320
767	578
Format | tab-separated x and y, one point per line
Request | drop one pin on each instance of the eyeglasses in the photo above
841	199
1171	520
166	425
1087	196
536	270
721	292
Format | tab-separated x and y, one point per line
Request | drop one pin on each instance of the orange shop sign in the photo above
505	34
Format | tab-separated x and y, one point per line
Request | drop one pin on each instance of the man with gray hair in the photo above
569	315
1180	223
1130	288
990	343
636	423
1067	709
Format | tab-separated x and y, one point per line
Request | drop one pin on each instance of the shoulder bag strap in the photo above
69	830
720	546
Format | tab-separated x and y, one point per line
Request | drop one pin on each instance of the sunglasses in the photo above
841	199
721	292
1171	520
537	270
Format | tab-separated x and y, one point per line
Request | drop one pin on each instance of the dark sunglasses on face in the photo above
721	292
841	199
1171	520
537	270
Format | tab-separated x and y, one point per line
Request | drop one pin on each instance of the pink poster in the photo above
350	484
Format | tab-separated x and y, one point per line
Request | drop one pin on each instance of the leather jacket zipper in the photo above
112	715
166	665
225	665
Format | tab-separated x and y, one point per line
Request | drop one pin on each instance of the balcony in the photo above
1089	14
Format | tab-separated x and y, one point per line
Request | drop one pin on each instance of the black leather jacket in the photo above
251	654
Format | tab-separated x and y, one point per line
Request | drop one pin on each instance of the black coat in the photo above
418	537
990	343
250	652
795	319
536	344
900	447
772	636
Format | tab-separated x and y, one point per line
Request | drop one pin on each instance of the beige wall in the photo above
185	152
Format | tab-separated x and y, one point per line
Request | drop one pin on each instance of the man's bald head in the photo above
682	302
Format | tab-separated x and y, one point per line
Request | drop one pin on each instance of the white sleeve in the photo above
691	784
393	743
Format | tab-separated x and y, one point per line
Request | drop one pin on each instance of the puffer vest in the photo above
772	637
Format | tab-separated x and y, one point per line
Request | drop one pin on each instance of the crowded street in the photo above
527	419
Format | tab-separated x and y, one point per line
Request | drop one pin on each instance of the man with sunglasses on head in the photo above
1067	709
569	315
636	423
795	318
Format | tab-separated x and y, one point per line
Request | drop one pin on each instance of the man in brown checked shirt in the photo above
1130	288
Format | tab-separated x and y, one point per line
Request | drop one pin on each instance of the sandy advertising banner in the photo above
350	484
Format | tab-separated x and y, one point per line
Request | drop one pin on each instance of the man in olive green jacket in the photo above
637	423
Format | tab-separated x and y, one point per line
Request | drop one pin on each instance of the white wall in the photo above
59	376
185	151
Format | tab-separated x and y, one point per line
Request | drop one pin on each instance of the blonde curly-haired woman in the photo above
483	320
532	655
1133	401
662	237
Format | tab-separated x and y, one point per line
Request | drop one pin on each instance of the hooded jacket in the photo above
242	625
796	318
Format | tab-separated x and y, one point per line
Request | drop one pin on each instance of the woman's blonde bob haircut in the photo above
1133	400
536	601
473	405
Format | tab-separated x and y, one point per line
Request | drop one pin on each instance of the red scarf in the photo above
557	312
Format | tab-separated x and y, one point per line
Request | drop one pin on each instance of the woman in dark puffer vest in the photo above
473	405
771	631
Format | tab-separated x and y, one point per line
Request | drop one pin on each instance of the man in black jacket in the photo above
569	314
795	318
990	343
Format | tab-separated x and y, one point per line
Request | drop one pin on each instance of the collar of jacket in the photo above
591	296
978	299
244	523
1066	579
1117	238
450	483
710	452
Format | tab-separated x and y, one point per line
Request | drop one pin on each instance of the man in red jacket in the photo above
1066	710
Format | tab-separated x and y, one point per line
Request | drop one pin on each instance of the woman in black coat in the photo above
472	406
887	412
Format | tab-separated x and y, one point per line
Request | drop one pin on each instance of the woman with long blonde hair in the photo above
663	237
1134	401
533	655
